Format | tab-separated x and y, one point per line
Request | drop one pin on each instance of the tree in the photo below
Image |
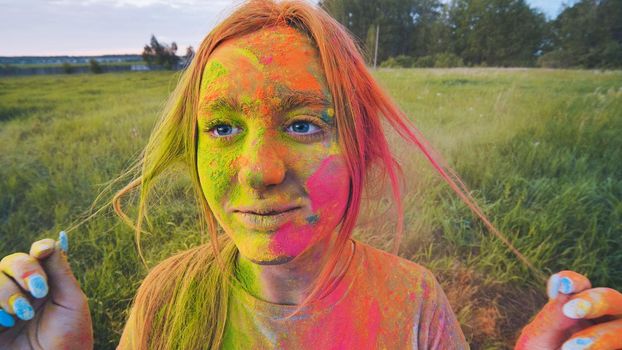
587	34
67	68
406	26
189	55
484	32
95	67
496	32
160	54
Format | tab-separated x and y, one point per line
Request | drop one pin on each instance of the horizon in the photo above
124	27
87	55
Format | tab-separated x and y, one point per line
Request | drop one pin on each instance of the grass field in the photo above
541	151
60	65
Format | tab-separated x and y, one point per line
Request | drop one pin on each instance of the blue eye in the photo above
224	130
304	128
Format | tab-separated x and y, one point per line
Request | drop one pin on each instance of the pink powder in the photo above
265	60
327	190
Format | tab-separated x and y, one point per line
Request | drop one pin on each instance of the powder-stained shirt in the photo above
381	302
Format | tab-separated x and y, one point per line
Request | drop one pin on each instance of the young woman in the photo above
278	122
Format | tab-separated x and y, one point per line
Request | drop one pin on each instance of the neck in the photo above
290	283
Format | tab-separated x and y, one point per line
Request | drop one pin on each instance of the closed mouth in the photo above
267	212
265	219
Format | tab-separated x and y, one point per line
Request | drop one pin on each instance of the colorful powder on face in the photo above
291	240
249	55
265	60
256	71
328	191
326	118
213	70
313	219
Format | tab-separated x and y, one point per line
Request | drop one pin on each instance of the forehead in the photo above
266	61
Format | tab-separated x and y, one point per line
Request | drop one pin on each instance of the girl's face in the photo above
268	159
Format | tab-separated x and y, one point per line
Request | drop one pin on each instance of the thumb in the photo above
64	288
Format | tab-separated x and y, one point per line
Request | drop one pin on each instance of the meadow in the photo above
541	151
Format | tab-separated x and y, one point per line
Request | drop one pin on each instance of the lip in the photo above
265	218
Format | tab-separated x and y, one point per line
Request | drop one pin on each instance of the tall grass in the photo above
541	150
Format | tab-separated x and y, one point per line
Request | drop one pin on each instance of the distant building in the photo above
69	59
140	67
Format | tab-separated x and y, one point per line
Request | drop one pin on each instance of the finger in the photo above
42	249
594	303
603	336
6	320
567	282
549	327
13	301
64	288
27	272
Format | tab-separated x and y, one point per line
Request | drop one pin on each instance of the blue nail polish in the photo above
37	285
23	309
63	241
577	344
584	341
565	285
553	286
6	320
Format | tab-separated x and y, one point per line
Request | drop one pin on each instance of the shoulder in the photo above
413	297
154	292
160	291
401	284
392	268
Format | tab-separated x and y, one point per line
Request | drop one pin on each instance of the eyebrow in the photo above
296	99
289	101
221	104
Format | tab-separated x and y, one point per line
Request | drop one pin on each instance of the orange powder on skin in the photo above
285	48
262	150
608	335
604	301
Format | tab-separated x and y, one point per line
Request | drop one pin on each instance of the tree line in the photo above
159	54
501	33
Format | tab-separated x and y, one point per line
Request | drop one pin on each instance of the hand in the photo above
42	306
576	317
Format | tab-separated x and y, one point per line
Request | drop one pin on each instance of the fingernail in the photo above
37	285
552	288
576	308
22	308
577	344
40	249
6	320
63	241
565	285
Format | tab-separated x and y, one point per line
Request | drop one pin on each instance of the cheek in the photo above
215	173
328	190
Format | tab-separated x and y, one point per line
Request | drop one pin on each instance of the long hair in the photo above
182	303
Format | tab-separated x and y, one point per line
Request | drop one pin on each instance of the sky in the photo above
95	27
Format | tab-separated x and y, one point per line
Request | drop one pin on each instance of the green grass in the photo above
60	65
541	151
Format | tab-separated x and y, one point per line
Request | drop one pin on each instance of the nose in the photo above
261	166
